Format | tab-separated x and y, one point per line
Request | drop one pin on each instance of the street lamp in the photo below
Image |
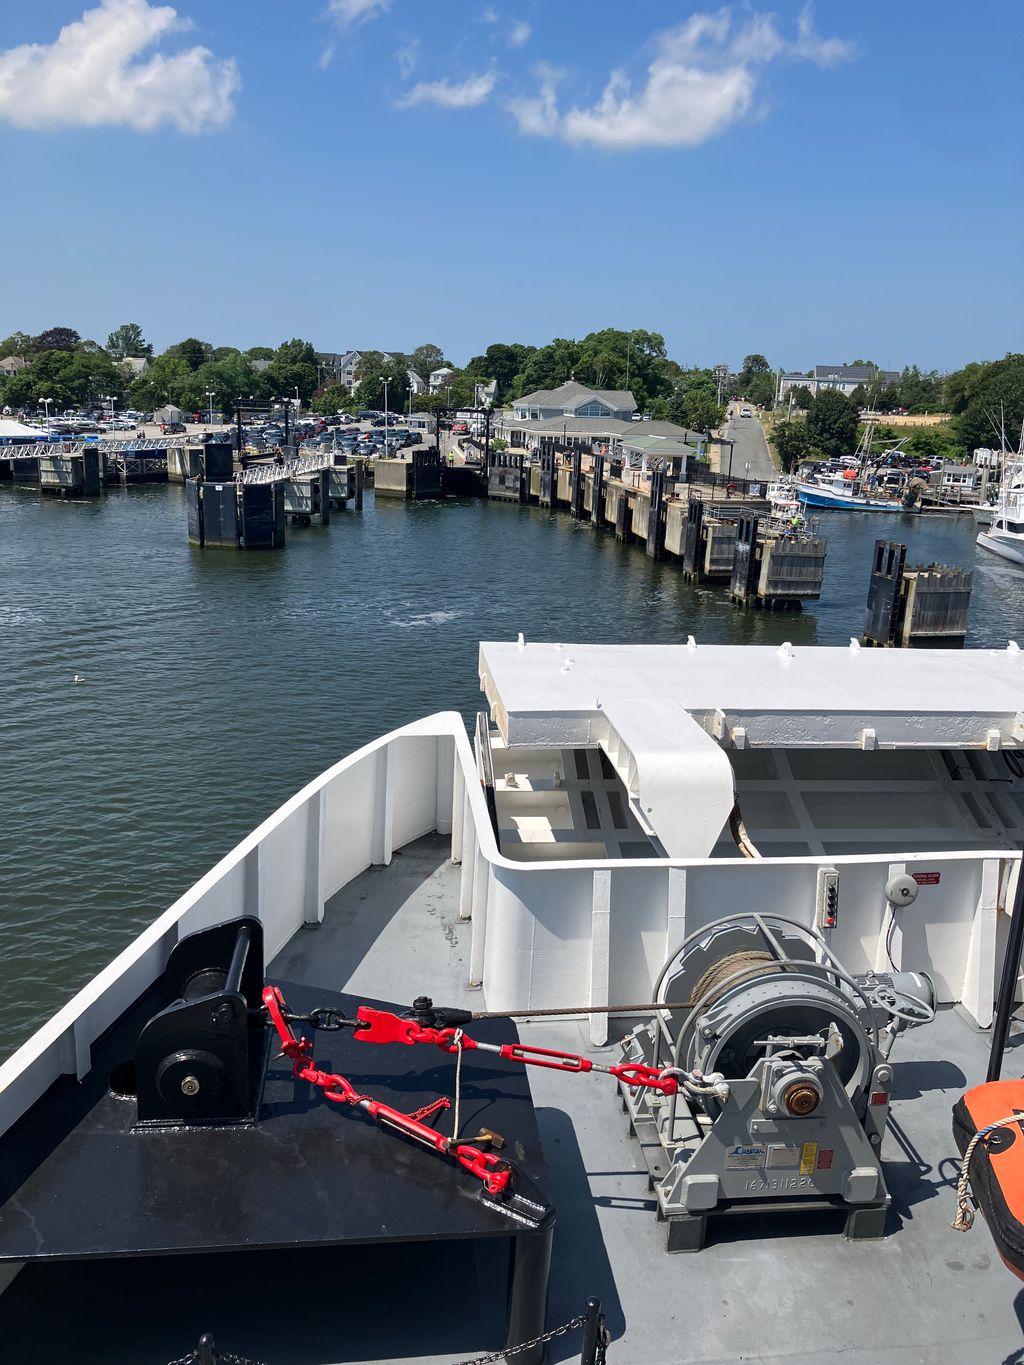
109	398
387	381
46	403
211	395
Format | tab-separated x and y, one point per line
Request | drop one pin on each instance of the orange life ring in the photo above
997	1164
849	473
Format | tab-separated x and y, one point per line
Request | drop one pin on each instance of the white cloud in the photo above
466	95
92	75
349	12
537	115
407	56
519	34
701	80
489	15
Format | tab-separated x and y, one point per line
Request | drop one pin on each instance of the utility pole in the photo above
387	381
629	342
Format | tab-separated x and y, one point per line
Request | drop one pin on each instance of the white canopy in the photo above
9	427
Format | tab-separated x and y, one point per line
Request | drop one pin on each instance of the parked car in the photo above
460	428
173	428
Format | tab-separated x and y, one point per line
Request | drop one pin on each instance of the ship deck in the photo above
777	1289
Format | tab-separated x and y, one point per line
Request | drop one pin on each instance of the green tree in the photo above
832	424
501	362
987	400
694	402
426	358
547	367
57	339
166	381
761	389
127	341
802	397
192	351
791	442
332	398
18	343
752	365
293	367
373	369
258	353
859	396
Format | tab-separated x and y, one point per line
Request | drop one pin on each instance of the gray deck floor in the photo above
773	1290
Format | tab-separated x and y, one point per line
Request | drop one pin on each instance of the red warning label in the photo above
926	878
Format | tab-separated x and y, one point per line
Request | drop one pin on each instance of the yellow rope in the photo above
964	1220
458	1082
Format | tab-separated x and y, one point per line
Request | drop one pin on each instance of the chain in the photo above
569	1326
196	1357
324	1019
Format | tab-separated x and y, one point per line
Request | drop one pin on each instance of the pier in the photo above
250	511
915	607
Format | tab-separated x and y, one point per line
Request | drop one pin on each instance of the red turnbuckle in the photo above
495	1173
379	1026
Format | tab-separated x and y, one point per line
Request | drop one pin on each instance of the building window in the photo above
593	410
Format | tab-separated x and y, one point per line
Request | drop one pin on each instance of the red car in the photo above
460	428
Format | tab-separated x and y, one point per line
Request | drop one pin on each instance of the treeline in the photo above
982	398
985	403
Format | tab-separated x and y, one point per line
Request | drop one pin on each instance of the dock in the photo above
918	607
250	511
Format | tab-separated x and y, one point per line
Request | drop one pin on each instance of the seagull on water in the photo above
78	678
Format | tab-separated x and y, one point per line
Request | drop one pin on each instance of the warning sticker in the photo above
744	1158
926	878
825	1158
808	1156
782	1156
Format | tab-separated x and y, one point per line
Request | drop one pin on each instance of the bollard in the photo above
593	1334
206	1353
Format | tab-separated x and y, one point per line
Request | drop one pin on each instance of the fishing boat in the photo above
849	491
1005	534
689	949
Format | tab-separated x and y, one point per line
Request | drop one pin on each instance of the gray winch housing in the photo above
782	1059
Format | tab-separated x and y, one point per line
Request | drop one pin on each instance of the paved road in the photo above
750	447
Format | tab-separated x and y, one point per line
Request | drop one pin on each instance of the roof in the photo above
597	426
658	445
571	395
857	374
778	696
442	369
16	362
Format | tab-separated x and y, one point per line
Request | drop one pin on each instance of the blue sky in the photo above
816	184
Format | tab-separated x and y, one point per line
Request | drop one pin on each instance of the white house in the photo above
12	365
440	378
845	378
416	384
575	400
134	365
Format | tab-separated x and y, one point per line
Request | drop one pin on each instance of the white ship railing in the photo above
549	933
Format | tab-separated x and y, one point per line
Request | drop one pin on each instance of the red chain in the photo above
495	1173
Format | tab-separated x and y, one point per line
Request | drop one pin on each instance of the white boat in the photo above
855	815
1005	535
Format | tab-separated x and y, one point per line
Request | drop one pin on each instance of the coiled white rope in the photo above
964	1220
457	1040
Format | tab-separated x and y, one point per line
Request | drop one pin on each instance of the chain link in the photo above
219	1358
569	1326
604	1337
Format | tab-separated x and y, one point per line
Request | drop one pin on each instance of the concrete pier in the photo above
413	476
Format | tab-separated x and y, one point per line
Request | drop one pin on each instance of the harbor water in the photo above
217	683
